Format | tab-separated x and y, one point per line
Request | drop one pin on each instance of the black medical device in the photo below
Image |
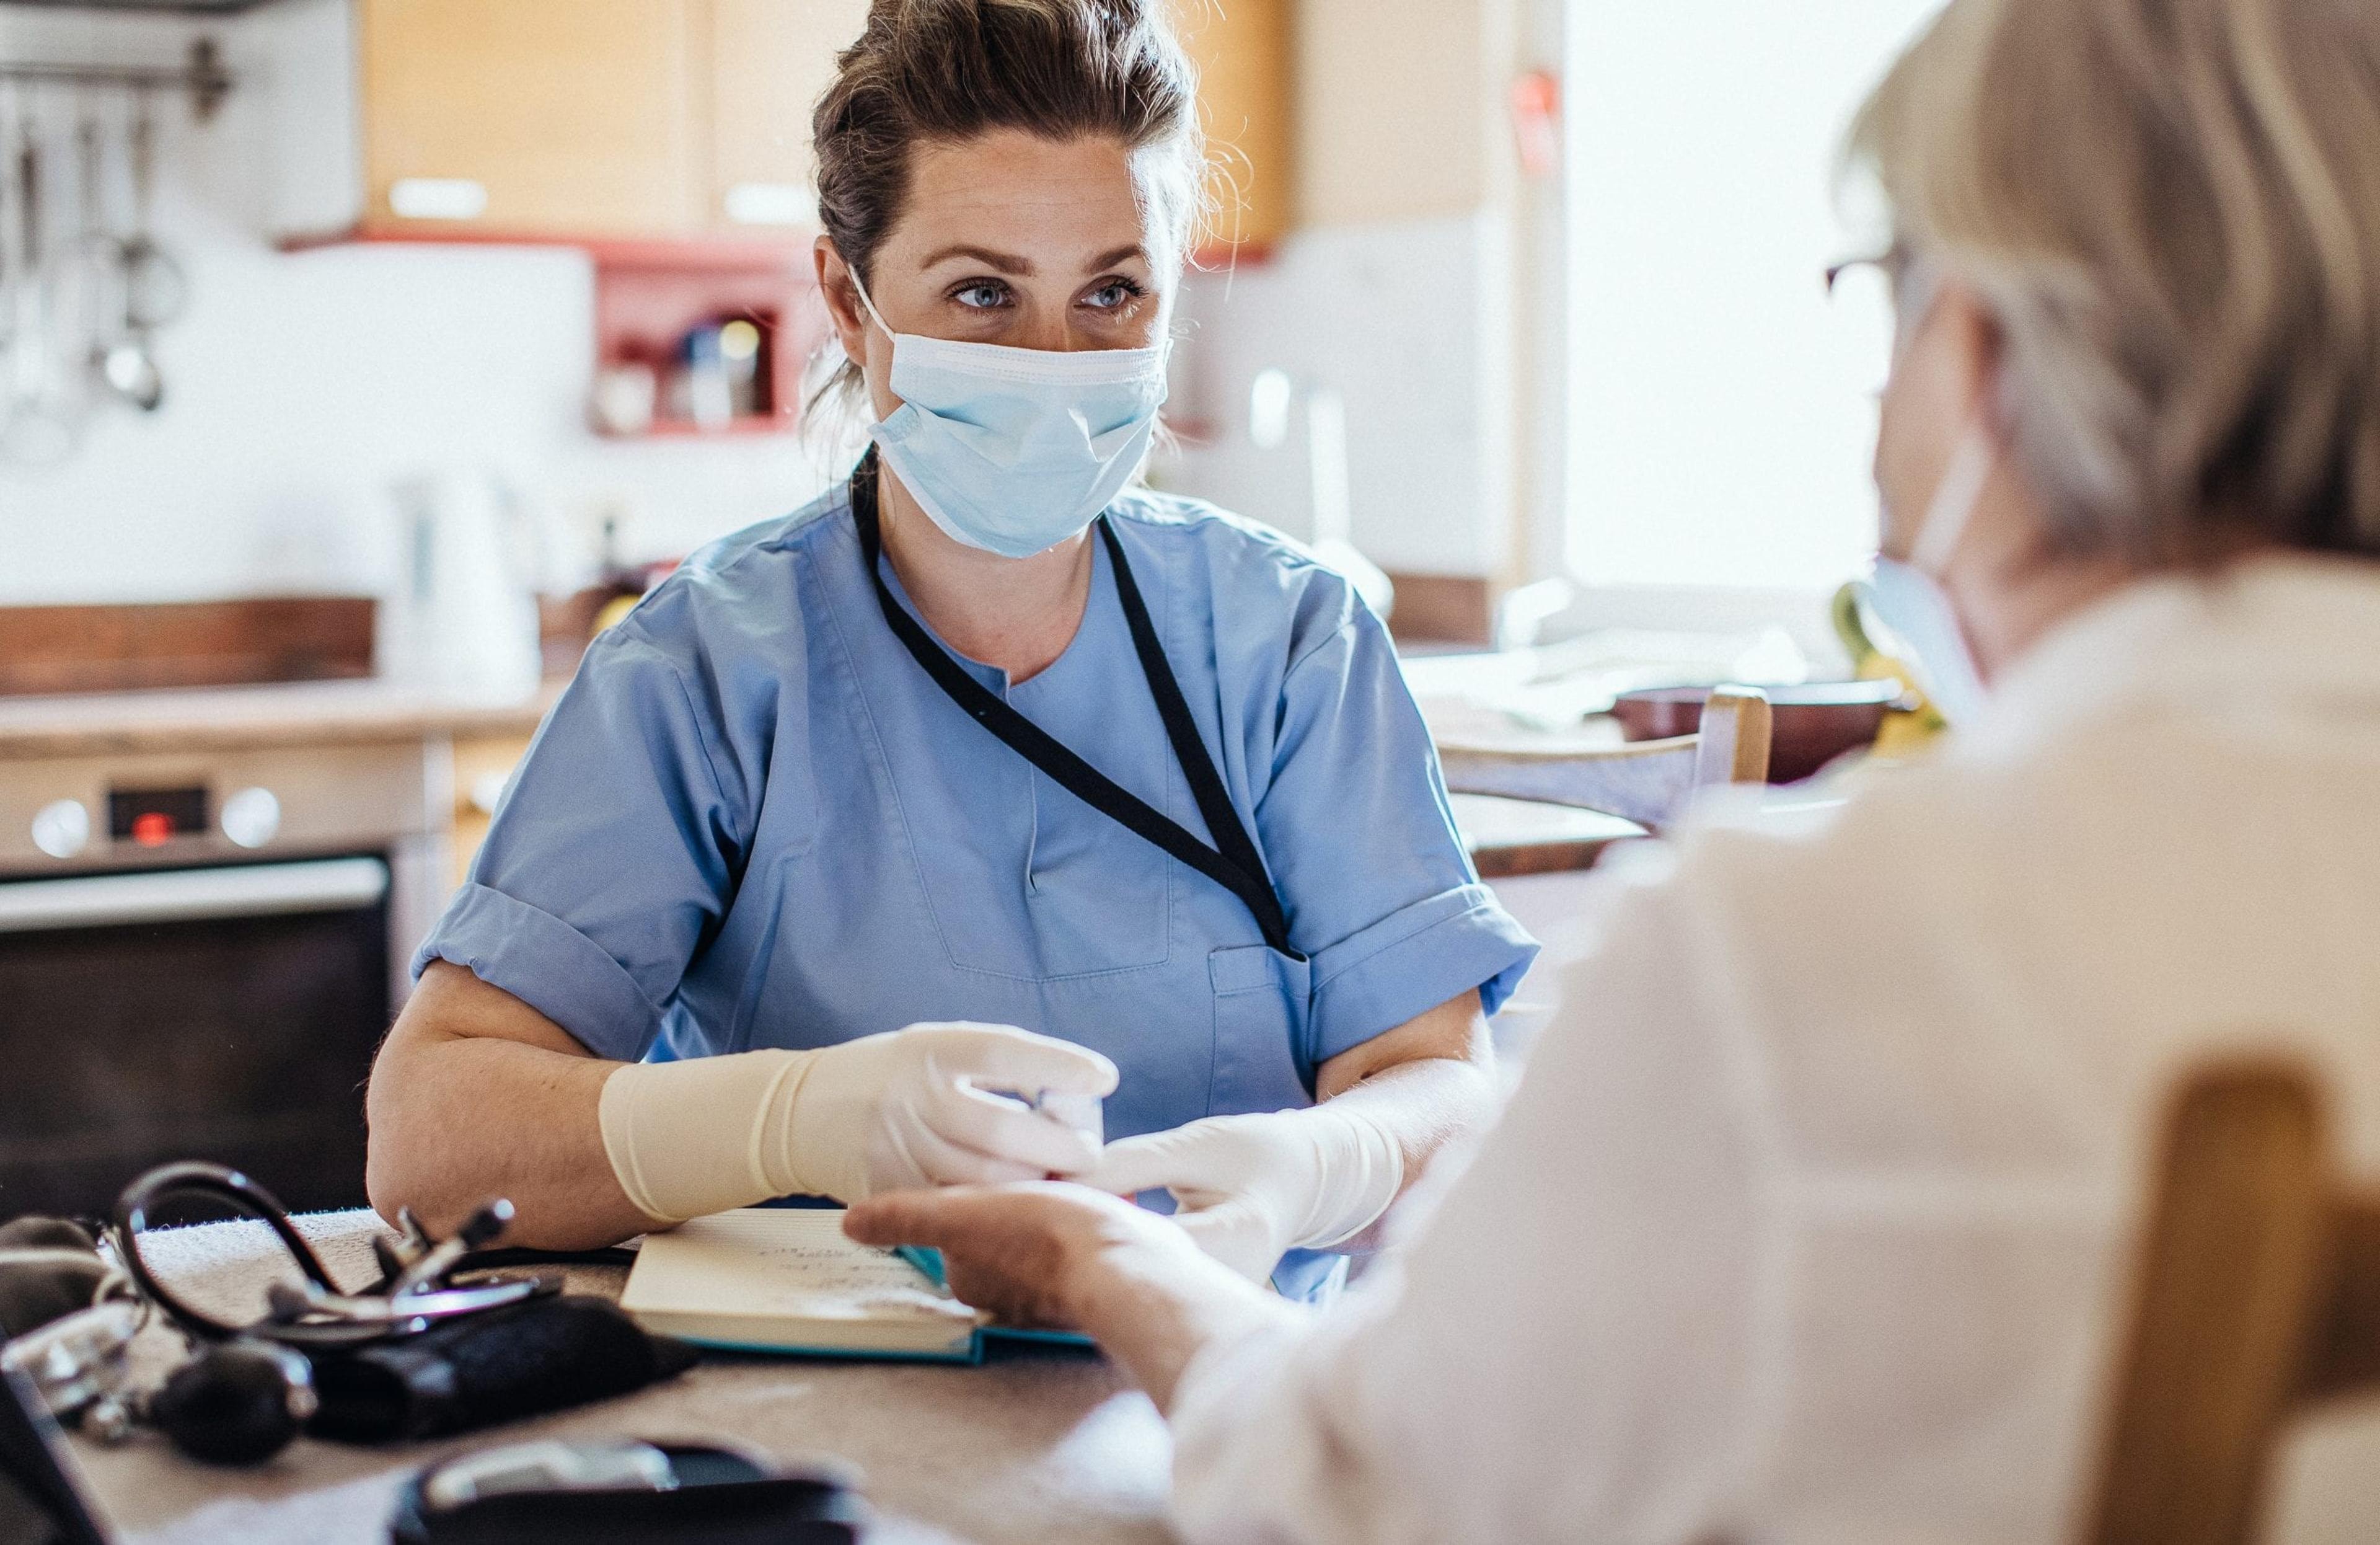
420	1352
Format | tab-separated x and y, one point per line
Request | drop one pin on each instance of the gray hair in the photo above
2172	208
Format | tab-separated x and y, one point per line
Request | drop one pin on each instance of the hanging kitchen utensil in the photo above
120	355
156	291
42	430
8	258
11	263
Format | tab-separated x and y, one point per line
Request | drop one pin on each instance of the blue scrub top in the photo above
753	821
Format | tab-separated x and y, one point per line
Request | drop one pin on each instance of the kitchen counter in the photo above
1042	1446
240	718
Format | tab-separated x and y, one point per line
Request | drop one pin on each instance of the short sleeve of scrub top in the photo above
753	821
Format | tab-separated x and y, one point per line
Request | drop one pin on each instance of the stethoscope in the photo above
414	1293
245	1390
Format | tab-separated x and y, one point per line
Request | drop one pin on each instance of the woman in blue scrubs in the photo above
983	775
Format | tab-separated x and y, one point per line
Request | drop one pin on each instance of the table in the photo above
1042	1446
1508	838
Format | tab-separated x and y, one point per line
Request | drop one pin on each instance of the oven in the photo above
198	956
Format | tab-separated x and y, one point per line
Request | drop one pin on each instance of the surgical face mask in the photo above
1014	450
1909	599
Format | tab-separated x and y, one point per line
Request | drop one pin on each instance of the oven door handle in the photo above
188	896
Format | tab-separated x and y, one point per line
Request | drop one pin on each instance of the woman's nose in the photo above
1051	329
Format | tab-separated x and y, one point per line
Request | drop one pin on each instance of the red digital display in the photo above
153	816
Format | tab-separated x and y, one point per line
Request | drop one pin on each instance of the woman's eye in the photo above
982	295
1113	296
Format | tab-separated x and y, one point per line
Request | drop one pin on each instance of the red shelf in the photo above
648	296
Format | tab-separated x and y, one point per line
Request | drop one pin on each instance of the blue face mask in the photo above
1908	597
1014	450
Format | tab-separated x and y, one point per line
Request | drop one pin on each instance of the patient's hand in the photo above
1033	1254
1051	1254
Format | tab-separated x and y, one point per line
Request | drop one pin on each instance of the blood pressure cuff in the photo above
519	1361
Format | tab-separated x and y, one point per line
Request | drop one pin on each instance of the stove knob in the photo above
62	829
252	817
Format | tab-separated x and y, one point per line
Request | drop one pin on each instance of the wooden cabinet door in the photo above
549	117
769	62
1242	50
483	764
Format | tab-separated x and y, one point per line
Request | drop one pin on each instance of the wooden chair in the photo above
2257	1296
1645	783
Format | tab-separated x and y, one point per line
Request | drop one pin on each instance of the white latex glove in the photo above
905	1108
911	1107
1250	1187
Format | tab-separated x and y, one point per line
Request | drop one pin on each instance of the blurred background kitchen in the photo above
360	358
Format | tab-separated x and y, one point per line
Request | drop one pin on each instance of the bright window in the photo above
1722	412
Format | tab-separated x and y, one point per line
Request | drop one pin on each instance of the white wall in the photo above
301	384
1396	317
1397	289
1722	418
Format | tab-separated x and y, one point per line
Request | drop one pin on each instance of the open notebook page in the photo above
787	1278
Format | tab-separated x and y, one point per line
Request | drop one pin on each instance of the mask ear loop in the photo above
1954	501
873	314
1953	504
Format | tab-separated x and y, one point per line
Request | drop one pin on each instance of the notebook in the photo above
786	1280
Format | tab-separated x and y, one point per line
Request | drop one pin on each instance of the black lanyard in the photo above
1233	863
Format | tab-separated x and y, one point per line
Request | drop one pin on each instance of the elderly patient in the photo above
1809	1220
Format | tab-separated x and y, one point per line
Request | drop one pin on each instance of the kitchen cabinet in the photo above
532	116
568	120
768	62
636	120
1242	49
483	764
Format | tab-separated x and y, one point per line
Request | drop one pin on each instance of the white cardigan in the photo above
1810	1219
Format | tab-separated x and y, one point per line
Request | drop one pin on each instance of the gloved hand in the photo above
1250	1187
904	1108
909	1108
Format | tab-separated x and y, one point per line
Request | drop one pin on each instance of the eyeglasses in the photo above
1894	263
1875	314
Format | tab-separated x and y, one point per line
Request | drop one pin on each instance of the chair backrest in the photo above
1645	783
2256	1295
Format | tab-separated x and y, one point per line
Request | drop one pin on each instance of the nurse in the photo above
986	774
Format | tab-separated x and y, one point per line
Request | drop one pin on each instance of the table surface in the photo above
1512	837
1041	1446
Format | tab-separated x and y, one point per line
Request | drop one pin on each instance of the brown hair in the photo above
2172	208
944	71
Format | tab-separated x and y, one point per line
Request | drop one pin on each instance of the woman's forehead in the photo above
1066	207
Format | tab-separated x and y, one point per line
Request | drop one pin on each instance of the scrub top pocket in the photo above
1260	1001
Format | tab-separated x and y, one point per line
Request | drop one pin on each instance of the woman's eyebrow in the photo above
1021	268
1006	262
